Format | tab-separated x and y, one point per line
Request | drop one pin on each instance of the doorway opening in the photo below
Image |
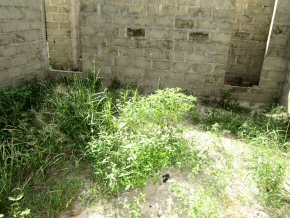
62	35
250	42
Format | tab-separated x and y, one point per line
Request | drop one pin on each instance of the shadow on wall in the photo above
249	41
288	101
285	96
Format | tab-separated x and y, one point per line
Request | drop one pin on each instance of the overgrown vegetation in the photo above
125	138
141	140
42	125
54	134
266	131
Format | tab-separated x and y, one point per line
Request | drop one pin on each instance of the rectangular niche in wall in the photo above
135	32
248	43
198	36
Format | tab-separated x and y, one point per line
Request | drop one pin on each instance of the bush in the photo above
141	141
40	121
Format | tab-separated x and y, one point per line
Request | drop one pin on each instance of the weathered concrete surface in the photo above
285	98
248	43
284	19
276	60
170	43
23	53
200	46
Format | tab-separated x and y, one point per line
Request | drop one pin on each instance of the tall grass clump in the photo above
75	104
47	127
41	126
15	153
270	135
143	139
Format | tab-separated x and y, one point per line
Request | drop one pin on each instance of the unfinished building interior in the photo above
202	46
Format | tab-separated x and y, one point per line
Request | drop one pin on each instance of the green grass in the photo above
201	202
42	126
141	140
53	136
121	137
267	133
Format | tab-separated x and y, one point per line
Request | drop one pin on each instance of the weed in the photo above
163	108
125	137
16	205
140	141
200	202
134	208
227	100
270	175
59	194
116	84
268	134
38	123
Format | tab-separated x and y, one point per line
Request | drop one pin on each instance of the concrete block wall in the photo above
172	43
285	98
276	60
180	43
23	53
194	45
59	33
248	43
275	63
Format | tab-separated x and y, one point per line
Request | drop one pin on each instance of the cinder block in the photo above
4	39
217	59
245	60
156	54
188	39
195	57
180	66
176	55
131	52
5	63
19	60
157	34
221	37
160	65
5	3
184	45
183	23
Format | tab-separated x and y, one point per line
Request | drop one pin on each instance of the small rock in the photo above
165	178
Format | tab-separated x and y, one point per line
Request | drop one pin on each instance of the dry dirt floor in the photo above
225	188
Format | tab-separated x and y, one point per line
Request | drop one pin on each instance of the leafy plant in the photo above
140	141
17	209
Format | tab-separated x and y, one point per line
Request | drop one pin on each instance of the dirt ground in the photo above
231	192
